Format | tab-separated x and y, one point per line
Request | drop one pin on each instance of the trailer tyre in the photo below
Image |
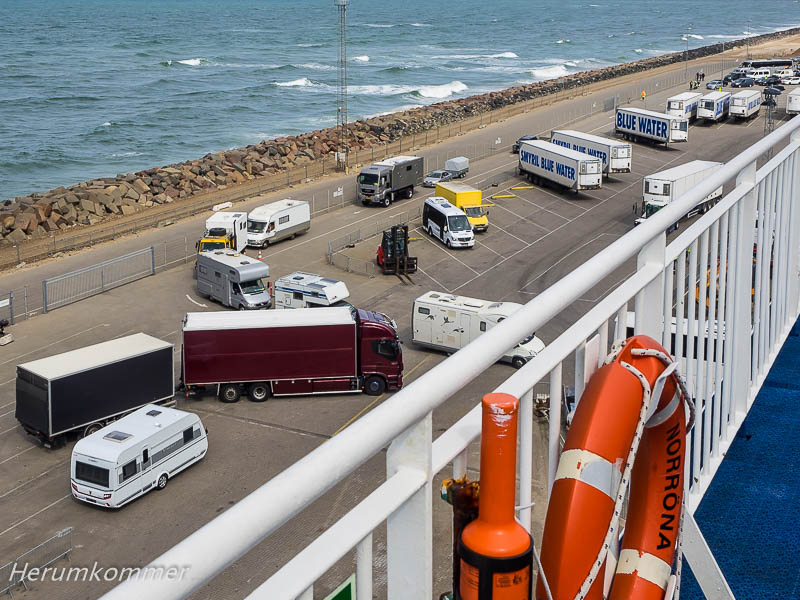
258	392
162	481
230	393
93	428
374	385
517	362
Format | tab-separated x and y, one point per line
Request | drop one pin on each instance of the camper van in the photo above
136	454
273	222
447	223
446	322
306	290
233	279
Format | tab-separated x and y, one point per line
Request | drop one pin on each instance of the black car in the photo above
773	90
731	77
769	81
743	82
524	138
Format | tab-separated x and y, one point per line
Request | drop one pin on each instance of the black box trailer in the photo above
84	389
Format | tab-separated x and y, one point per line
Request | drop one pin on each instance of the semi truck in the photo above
545	161
659	189
714	106
224	231
746	104
289	353
684	105
468	199
793	102
382	182
85	389
233	280
616	155
638	123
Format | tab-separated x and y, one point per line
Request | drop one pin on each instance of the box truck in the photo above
714	106
659	189
636	123
224	230
446	322
793	102
306	290
233	280
140	452
382	182
545	161
290	352
746	104
616	155
684	105
468	199
84	389
276	221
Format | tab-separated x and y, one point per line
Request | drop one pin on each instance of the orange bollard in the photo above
259	254
496	551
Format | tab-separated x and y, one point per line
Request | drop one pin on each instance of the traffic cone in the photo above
259	254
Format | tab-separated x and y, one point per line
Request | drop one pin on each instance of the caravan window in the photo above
297	296
188	435
483	325
423	311
284	219
128	471
91	474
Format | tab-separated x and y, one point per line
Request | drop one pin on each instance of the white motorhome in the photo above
136	454
746	104
447	223
446	322
270	223
307	290
233	279
615	154
684	105
793	102
714	106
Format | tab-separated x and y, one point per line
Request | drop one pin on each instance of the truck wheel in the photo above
230	393
162	481
242	307
447	243
374	385
517	362
388	199
258	392
410	192
93	428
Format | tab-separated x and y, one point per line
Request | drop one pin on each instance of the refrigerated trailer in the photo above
289	353
616	155
714	106
636	123
84	389
684	105
746	104
540	160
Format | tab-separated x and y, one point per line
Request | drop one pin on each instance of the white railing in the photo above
752	298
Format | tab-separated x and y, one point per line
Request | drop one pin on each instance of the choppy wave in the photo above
564	42
473	56
302	82
194	62
124	154
314	66
396	69
361	59
638	50
422	91
550	72
421	25
441	91
378	25
305	45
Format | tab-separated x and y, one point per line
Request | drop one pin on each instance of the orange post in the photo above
496	551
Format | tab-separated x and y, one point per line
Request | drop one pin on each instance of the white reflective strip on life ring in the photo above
591	469
646	566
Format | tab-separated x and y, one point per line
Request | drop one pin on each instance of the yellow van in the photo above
468	199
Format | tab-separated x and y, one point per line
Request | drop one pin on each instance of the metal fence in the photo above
43	555
96	279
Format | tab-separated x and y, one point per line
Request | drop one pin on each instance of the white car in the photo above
793	80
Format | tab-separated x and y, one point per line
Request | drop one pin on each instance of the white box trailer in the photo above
615	154
714	106
659	189
307	290
225	230
273	222
746	104
635	123
541	160
446	322
684	105
793	102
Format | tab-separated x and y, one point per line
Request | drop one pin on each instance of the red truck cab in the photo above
381	356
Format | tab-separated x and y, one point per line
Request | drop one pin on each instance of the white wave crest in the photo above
549	72
107	124
193	62
441	91
316	66
421	25
472	56
308	45
379	25
361	59
638	50
124	154
302	82
503	55
426	91
564	42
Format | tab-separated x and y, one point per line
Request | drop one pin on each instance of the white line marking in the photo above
519	217
193	301
439	246
544	209
31	480
6	413
18	523
8	430
54	343
434	280
5	460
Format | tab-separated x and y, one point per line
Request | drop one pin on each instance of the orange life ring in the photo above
616	423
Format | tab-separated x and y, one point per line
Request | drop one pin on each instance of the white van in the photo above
270	223
446	322
306	290
759	73
447	223
784	73
135	454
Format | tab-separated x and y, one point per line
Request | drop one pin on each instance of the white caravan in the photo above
793	102
446	322
306	290
270	223
684	105
135	454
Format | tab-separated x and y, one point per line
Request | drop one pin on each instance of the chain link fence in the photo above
43	555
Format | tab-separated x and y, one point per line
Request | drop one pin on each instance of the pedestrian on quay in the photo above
702	76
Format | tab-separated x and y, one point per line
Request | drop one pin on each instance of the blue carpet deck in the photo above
750	516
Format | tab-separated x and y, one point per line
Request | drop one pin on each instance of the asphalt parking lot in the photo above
536	236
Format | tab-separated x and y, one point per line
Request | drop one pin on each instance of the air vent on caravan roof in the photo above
117	436
153	413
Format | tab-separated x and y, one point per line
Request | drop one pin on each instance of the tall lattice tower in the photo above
341	93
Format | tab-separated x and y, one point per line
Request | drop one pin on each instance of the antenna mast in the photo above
341	93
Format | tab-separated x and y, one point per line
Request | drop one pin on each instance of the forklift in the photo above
392	256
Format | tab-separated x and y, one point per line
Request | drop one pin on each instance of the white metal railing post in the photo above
742	308
409	530
793	296
525	457
649	302
364	569
554	443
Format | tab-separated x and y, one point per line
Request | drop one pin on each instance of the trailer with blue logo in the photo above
615	154
684	105
746	104
638	123
714	106
544	161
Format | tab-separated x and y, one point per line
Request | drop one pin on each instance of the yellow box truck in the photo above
468	199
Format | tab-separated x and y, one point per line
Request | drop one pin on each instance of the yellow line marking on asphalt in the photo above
504	195
522	187
371	404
